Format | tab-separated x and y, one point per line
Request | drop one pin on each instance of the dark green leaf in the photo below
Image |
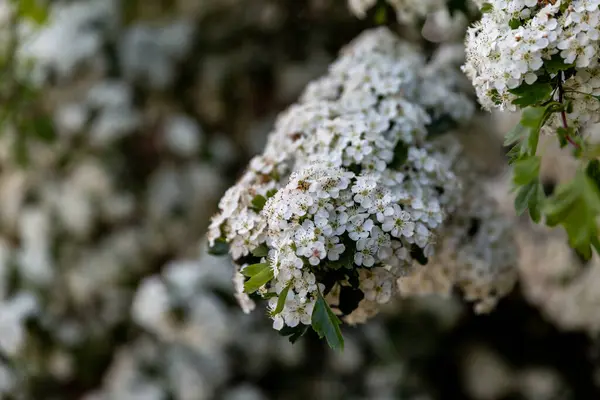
562	134
400	155
514	23
258	202
220	248
43	129
593	172
556	64
271	193
294	333
281	300
327	324
531	95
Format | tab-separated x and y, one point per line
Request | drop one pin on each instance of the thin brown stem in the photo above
563	114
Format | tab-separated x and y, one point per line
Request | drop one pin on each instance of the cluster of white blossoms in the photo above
477	252
518	43
347	194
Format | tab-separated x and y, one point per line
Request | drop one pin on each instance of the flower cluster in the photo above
477	253
347	194
520	43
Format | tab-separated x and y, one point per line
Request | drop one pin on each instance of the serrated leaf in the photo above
254	269
525	136
281	300
261	251
258	202
576	207
220	248
530	196
531	95
526	170
258	280
326	324
522	198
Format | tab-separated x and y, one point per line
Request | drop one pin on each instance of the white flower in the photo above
399	224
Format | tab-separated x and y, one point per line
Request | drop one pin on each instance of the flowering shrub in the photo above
348	194
542	57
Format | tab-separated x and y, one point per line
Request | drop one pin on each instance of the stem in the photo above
563	114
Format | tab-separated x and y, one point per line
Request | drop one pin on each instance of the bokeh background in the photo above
123	122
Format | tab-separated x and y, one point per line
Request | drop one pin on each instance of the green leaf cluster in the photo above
576	206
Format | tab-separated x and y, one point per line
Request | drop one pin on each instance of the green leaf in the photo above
562	134
530	95
525	136
281	300
258	202
400	155
33	10
530	196
381	15
220	248
259	279
526	170
327	324
556	64
486	8
515	23
254	269
576	206
593	172
294	333
271	193
261	251
43	129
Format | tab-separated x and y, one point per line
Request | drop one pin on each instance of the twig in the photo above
563	114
